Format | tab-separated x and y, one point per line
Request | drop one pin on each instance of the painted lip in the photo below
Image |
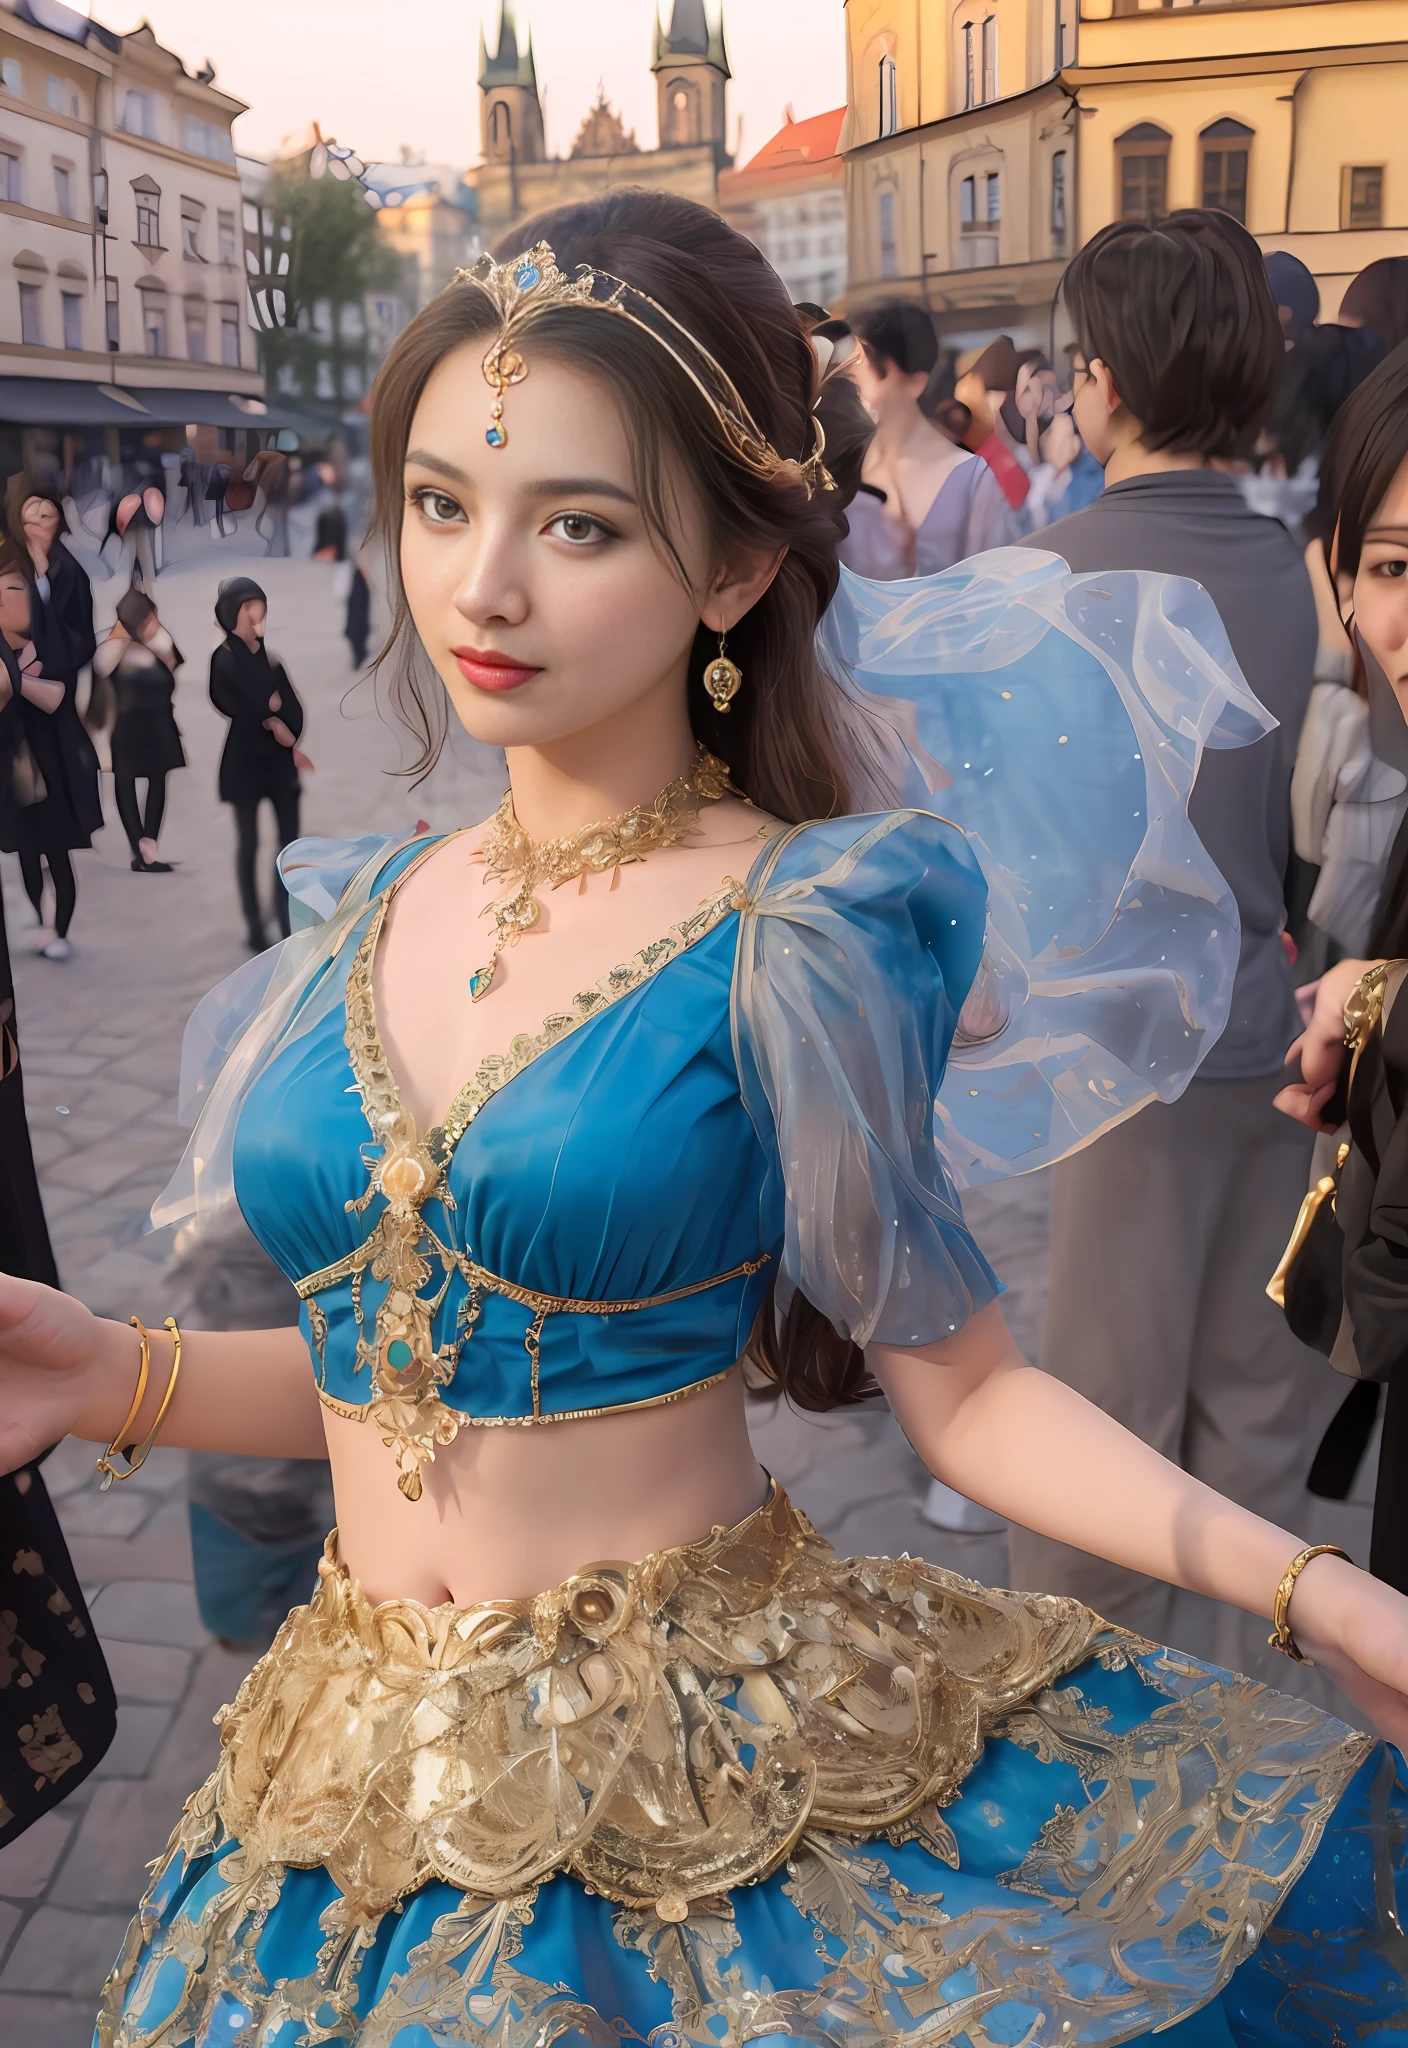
489	670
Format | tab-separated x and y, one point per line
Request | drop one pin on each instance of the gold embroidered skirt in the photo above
740	1787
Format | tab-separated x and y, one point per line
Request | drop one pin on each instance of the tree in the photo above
336	256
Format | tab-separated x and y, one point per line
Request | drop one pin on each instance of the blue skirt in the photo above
1138	1843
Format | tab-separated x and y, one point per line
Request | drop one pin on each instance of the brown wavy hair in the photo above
785	737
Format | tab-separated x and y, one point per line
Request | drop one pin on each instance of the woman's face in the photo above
252	615
14	606
1381	586
40	521
539	592
884	388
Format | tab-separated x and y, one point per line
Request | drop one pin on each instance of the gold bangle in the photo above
136	1455
1281	1638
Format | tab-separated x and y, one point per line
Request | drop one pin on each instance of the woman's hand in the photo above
1321	1048
280	731
1356	1627
62	1370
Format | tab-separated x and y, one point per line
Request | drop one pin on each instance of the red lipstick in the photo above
487	669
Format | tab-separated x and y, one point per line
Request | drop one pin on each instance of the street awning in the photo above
65	402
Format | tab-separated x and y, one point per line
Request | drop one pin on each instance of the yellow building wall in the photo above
1357	114
1184	107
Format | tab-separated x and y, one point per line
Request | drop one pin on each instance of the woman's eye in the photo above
437	507
1396	568
579	527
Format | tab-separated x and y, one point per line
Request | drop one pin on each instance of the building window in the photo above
12	76
191	211
683	100
111	324
139	114
994	205
206	138
10	185
72	303
990	85
31	316
970	66
54	93
967	215
1226	150
1362	196
195	331
153	325
1058	203
225	237
889	248
63	191
500	124
148	220
1143	172
351	380
889	109
230	337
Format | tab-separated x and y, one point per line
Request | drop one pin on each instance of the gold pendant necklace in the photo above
532	864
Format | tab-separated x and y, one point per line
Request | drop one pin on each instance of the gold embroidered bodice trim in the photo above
403	1250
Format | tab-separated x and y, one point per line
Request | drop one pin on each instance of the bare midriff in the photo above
508	1512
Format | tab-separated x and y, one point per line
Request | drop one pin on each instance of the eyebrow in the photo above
545	487
1394	528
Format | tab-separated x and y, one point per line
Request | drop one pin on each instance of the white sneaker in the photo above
945	1509
57	949
42	936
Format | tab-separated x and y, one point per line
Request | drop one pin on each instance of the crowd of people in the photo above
1229	1258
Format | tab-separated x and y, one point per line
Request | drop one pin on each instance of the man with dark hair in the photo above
1165	1233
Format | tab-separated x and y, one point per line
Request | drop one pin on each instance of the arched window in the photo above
500	124
990	84
682	100
1226	154
889	105
970	65
1142	164
1058	203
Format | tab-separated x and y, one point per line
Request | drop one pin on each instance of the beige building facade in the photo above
986	140
121	243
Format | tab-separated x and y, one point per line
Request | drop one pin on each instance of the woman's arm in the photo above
290	711
226	691
65	1371
45	695
1029	1448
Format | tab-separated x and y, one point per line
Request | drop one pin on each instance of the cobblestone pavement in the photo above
101	1044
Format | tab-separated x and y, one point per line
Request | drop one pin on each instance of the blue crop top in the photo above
606	1208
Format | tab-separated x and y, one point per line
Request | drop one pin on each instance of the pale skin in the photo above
909	458
1378	603
40	523
543	559
15	619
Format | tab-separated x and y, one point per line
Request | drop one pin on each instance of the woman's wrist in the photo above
1324	1592
108	1381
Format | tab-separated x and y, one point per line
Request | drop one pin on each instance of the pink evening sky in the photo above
379	74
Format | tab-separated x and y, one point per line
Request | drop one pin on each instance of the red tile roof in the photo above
797	142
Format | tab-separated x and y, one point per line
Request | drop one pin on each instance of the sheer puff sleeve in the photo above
859	939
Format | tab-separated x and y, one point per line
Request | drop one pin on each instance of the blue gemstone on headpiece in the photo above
495	436
526	276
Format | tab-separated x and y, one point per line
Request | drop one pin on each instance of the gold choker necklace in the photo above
531	864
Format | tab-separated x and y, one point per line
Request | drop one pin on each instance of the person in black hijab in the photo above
57	1710
71	810
260	759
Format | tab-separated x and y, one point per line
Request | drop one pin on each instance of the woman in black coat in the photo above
71	810
140	659
260	759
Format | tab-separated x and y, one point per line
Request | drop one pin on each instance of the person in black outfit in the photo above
62	626
59	1719
260	759
141	659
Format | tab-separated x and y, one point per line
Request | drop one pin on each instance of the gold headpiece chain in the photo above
530	285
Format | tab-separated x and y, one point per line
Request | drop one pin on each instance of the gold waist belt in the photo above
666	1730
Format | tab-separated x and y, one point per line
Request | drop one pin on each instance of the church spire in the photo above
509	65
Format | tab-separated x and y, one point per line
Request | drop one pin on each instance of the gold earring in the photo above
723	679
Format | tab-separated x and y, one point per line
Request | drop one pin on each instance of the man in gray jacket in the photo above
1165	1233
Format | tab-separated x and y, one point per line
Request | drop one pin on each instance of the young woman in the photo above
71	811
261	759
1364	512
927	503
723	1786
140	659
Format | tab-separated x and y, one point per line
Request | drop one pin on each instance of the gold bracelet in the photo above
1281	1638
136	1455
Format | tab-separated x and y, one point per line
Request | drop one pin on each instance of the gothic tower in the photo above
691	75
510	116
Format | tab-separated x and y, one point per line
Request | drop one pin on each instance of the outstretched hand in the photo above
53	1353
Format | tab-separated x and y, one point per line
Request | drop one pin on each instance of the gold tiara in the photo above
531	285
